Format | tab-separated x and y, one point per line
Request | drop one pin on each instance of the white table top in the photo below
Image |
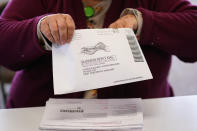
165	114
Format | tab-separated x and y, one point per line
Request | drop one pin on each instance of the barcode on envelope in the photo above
137	55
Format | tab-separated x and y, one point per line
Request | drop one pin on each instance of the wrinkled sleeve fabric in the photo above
19	44
171	26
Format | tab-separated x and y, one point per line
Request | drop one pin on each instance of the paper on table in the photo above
98	58
132	129
97	114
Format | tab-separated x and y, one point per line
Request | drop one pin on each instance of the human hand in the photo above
127	21
58	28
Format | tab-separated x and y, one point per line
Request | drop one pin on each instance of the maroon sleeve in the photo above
171	25
19	45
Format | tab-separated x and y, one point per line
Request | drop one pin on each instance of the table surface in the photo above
164	114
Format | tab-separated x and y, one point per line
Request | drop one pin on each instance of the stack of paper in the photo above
93	115
98	58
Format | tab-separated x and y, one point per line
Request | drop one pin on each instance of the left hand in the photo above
127	21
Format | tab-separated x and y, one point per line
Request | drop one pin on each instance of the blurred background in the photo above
182	76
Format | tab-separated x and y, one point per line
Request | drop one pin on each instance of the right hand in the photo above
58	28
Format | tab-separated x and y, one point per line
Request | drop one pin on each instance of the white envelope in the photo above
98	58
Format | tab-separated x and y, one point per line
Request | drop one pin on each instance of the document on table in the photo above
93	114
98	58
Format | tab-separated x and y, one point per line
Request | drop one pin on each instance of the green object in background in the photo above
89	11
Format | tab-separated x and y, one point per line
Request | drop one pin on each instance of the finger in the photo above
61	22
70	27
54	30
117	25
44	28
130	21
133	25
113	25
120	25
128	24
